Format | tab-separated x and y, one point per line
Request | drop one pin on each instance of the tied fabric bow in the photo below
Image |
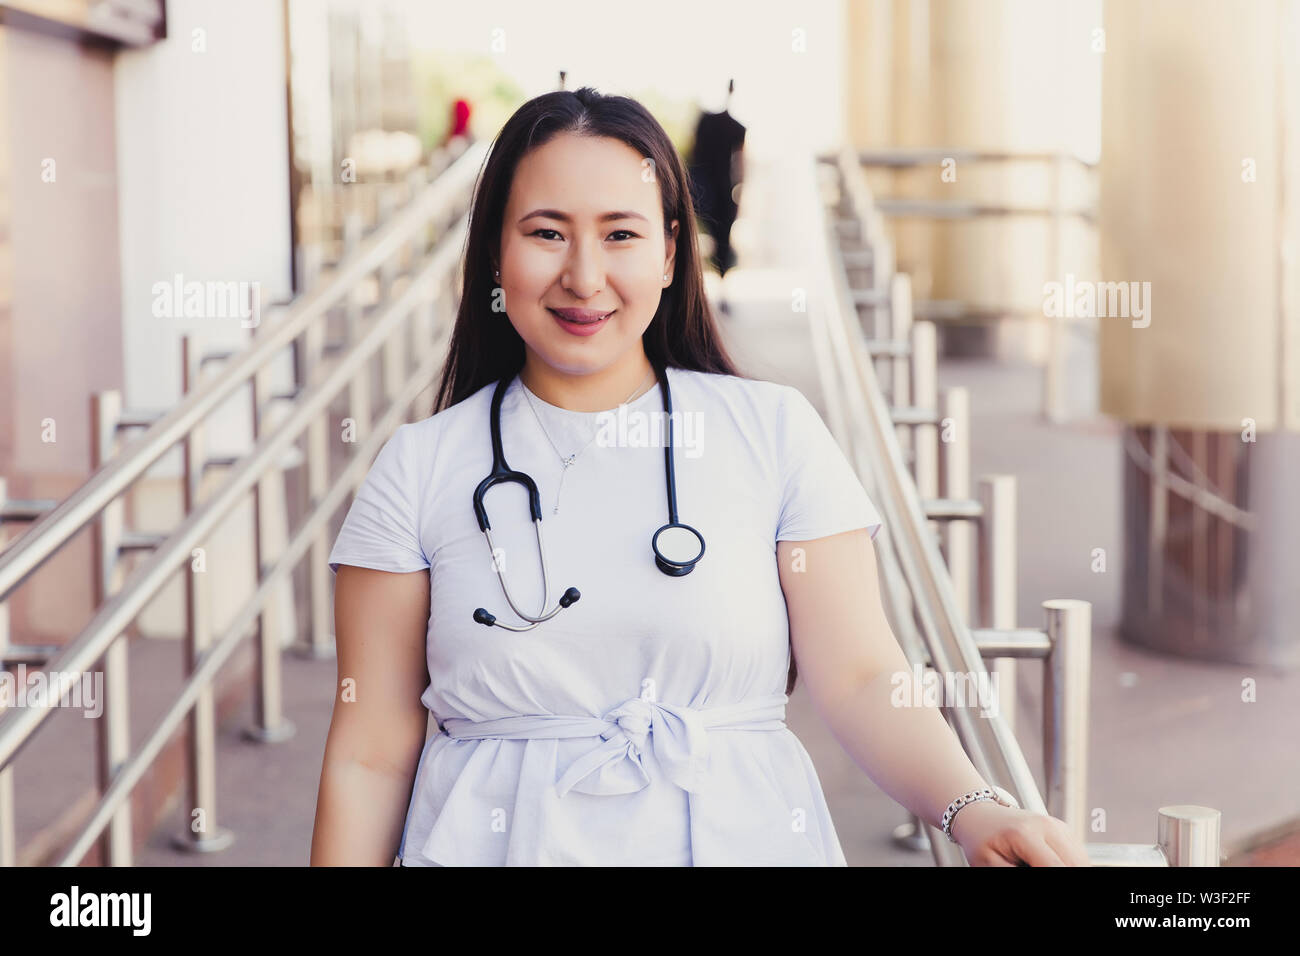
679	736
680	742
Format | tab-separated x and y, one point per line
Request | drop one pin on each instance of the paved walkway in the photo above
1163	731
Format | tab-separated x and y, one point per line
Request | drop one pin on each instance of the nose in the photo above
584	271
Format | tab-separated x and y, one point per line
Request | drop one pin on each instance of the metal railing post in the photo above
359	389
1190	835
1158	520
925	395
996	577
1054	373
426	318
112	729
269	723
1186	835
201	832
900	331
387	203
360	411
395	353
423	326
954	469
320	642
1066	679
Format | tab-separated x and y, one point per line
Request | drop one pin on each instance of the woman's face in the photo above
583	235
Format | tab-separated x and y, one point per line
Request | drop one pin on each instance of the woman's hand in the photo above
993	835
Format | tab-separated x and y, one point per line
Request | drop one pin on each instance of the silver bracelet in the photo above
965	800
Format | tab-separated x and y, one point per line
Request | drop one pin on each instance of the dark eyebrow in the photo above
564	217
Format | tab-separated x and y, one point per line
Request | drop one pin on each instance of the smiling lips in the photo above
581	316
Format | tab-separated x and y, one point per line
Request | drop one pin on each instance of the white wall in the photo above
203	187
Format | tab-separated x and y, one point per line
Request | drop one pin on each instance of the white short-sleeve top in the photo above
673	753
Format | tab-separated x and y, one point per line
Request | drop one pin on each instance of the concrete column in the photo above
1200	105
1200	213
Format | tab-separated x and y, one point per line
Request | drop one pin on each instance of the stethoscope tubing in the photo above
502	473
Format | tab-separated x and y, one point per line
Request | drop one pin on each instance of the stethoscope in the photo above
677	547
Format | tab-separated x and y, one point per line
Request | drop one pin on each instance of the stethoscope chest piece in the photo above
678	548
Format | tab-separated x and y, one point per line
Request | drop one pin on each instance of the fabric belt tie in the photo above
679	736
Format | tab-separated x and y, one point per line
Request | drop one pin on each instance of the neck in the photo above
596	391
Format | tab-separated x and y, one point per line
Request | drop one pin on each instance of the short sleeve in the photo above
822	494
381	530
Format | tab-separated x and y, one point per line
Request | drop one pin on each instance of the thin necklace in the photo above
568	460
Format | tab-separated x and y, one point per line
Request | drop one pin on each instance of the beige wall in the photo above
63	294
60	322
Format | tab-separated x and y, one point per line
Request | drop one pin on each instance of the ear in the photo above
670	246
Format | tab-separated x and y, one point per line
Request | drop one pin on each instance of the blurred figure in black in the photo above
715	171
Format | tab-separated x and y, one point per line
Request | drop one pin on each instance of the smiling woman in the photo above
645	724
586	242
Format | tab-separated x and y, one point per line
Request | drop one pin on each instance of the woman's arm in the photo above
378	728
848	657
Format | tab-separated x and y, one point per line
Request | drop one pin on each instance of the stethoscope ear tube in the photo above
500	470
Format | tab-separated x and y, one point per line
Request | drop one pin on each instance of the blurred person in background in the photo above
716	169
460	113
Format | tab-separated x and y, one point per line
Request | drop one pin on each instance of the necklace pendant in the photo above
569	461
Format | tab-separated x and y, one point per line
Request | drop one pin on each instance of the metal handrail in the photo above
56	528
153	573
431	274
993	750
264	456
954	312
903	157
907	208
1187	835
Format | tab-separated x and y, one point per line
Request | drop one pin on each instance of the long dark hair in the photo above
484	346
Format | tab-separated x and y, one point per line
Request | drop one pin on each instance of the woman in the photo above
643	723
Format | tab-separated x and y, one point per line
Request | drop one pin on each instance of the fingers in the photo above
1066	844
1030	843
989	856
1034	839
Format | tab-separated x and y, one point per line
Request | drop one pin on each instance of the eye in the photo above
627	232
